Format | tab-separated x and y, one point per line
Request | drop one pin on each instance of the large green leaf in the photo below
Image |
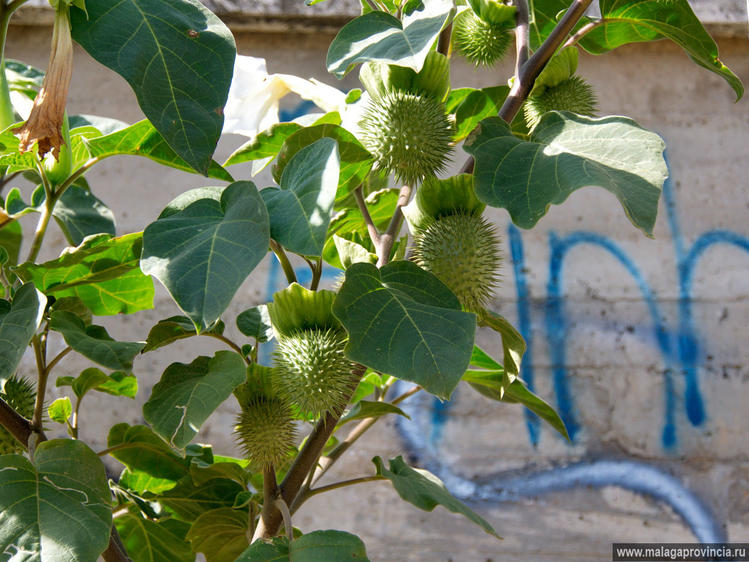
141	450
79	214
57	508
565	152
187	394
255	323
176	328
317	546
118	383
189	500
19	321
404	321
300	211
544	18
631	21
424	490
103	272
94	342
204	245
355	161
177	56
220	534
471	106
142	139
266	144
152	541
378	36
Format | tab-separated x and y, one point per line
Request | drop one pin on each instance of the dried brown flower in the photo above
45	121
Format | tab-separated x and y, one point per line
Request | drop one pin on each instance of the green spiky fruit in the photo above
409	135
265	431
20	394
573	94
312	371
462	250
480	42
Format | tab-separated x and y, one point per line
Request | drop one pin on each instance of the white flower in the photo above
252	106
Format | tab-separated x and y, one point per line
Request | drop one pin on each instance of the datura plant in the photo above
362	186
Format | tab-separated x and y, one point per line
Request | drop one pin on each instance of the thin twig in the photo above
41	387
57	359
582	32
229	343
283	259
316	275
387	239
374	234
286	514
342	484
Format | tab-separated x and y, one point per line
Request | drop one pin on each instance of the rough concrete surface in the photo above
641	344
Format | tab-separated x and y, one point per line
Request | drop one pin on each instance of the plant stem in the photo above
18	426
582	32
229	343
116	551
527	73
41	230
522	39
284	261
270	512
286	515
359	430
374	234
41	387
387	239
342	484
306	461
58	358
316	275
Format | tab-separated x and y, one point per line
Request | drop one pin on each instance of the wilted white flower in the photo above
252	106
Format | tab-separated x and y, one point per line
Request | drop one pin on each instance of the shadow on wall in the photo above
678	349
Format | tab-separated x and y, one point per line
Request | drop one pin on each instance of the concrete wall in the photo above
640	344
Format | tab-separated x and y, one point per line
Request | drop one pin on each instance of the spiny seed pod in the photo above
462	250
312	371
265	431
20	394
480	42
409	135
573	94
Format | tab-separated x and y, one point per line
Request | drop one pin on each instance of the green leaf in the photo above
365	409
151	541
116	384
141	450
143	483
631	21
255	323
57	508
103	272
228	468
349	252
300	211
544	18
565	152
11	236
79	214
475	106
204	245
265	145
19	321
513	344
187	394
317	546
60	410
94	342
177	57
378	36
404	321
220	534
355	161
175	328
189	501
424	490
142	139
